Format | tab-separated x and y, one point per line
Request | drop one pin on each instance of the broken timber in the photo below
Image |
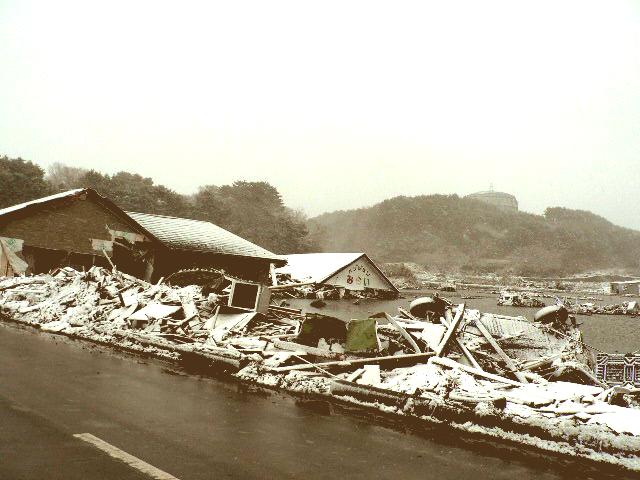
463	347
296	347
410	358
492	341
447	362
441	350
404	333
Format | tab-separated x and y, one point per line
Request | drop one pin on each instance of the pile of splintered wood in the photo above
506	347
69	301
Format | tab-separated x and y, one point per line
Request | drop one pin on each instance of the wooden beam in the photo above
290	285
278	308
296	347
447	362
104	252
357	362
441	350
467	353
492	341
404	312
404	333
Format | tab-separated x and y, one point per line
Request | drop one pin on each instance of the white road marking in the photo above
123	456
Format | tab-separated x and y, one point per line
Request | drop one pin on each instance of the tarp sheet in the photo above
362	336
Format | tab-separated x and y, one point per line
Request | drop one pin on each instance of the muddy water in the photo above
609	333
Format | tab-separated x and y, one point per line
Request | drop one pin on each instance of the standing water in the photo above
608	333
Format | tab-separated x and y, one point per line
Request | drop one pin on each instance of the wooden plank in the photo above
542	362
281	336
404	333
287	321
492	341
290	285
467	353
447	362
357	362
296	347
134	462
404	312
353	376
278	308
104	252
451	331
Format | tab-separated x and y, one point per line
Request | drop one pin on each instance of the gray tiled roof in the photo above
196	235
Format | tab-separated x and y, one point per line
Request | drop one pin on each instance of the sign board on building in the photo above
358	276
618	369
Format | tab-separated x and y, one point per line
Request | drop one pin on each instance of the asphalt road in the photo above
52	388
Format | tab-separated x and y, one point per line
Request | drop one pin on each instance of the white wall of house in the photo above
359	275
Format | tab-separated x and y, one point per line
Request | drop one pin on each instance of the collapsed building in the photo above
194	243
338	273
81	228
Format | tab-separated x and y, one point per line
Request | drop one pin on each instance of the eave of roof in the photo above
41	202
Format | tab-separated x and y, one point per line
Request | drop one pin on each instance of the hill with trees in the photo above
450	233
442	232
253	210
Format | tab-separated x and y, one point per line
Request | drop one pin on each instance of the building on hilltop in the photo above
502	200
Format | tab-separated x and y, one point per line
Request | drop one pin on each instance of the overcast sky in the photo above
338	104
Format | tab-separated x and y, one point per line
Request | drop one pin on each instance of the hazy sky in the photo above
338	104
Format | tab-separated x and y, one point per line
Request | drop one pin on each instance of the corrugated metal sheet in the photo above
196	235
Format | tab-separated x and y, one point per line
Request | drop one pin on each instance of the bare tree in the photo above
64	177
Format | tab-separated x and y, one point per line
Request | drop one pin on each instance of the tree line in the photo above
252	210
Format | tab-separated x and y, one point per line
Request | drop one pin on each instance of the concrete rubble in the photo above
501	376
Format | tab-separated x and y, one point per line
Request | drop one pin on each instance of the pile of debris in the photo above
102	302
287	288
519	299
530	382
631	308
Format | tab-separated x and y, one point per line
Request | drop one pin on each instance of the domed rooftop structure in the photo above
502	200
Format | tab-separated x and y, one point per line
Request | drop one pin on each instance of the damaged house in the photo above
346	272
195	243
81	228
78	228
